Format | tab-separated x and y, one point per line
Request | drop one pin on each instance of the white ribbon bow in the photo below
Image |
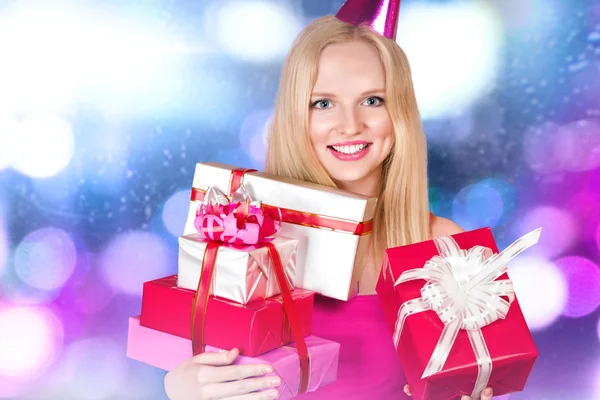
462	289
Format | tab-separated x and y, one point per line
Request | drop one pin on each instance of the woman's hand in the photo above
211	376
487	393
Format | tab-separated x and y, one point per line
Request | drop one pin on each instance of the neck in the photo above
368	186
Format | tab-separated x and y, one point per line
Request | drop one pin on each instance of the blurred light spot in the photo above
254	31
18	292
538	148
559	230
477	206
584	207
93	369
63	52
42	72
541	290
131	259
574	147
30	340
253	135
454	52
577	146
175	212
518	14
45	258
583	278
46	146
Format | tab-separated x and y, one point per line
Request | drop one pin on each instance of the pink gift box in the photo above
166	351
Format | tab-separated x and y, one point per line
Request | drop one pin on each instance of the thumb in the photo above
216	358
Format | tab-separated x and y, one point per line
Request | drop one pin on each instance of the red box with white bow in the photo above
456	323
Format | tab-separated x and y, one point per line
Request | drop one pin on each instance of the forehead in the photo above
352	65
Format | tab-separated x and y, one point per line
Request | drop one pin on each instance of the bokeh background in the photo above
106	106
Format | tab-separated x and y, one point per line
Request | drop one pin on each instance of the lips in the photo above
349	151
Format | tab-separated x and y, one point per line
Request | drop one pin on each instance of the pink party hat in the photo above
380	15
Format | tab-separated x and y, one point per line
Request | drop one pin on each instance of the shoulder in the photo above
443	227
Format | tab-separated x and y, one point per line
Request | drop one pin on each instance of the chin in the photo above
342	178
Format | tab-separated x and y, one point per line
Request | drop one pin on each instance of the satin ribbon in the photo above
239	221
462	289
201	297
293	216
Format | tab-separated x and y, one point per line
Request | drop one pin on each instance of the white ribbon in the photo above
462	289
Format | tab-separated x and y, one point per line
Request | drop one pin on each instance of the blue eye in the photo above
373	101
321	104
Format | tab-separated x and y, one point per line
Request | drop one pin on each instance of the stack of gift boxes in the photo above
247	279
228	294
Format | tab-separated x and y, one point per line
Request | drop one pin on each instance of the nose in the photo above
351	122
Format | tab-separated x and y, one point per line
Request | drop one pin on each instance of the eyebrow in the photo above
325	94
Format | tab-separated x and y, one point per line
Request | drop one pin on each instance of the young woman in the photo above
345	116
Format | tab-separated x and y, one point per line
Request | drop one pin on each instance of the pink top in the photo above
369	367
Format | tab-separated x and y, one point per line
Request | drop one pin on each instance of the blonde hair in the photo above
402	214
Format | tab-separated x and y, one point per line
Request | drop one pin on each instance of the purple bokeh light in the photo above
45	258
540	288
584	206
559	230
583	279
30	341
538	148
175	212
577	146
133	258
478	205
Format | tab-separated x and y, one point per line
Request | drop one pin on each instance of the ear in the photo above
443	227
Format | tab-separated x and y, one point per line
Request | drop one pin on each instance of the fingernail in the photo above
487	391
465	398
267	370
274	394
275	382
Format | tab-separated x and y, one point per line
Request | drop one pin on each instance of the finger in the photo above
466	398
233	373
487	394
266	395
245	386
407	390
216	358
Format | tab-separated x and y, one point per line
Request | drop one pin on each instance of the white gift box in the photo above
327	257
241	274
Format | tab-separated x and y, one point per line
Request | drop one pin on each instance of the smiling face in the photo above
349	126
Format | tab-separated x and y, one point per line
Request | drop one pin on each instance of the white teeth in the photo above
349	149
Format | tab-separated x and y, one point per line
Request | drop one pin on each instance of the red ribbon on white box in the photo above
462	289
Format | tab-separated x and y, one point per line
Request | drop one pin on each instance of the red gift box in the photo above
508	340
254	328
